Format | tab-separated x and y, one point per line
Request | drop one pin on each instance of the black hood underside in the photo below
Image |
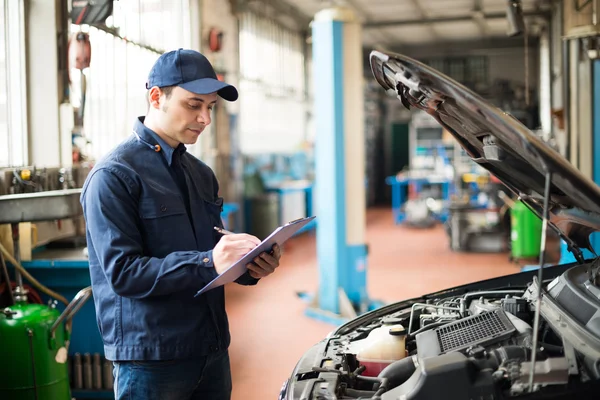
499	143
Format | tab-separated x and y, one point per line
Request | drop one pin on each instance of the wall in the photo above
218	144
43	86
506	56
218	14
510	64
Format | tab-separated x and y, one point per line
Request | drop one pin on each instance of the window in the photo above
13	95
122	56
471	71
273	105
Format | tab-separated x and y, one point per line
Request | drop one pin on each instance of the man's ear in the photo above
154	95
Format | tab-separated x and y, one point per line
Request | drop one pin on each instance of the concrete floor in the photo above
269	330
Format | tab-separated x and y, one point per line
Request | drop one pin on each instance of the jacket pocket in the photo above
165	225
158	207
213	209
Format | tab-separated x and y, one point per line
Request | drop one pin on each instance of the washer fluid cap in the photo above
392	320
397	331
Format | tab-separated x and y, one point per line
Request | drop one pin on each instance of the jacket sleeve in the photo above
110	209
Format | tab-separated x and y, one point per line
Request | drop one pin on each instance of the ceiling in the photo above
399	23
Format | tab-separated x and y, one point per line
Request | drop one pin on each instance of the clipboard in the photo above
278	236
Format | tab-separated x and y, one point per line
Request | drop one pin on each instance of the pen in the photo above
226	232
223	231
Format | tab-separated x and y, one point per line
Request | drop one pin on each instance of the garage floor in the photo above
268	327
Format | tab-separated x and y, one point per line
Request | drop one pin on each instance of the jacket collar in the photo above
149	138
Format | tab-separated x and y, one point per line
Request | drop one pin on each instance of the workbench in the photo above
399	182
295	201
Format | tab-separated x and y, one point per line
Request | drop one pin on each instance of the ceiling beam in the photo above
273	9
419	7
365	16
435	20
479	19
478	46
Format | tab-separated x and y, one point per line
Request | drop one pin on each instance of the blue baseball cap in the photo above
191	71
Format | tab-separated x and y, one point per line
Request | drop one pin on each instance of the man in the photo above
150	209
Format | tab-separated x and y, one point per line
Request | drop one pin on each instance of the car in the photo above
533	335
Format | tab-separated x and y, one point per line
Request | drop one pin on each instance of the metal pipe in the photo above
97	372
35	390
536	321
566	96
87	371
80	298
77	372
107	375
491	292
6	277
17	252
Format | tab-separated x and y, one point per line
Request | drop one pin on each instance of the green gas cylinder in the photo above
526	232
33	360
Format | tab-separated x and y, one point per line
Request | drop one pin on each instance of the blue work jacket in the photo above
150	214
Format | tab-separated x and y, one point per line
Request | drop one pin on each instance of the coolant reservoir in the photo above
383	346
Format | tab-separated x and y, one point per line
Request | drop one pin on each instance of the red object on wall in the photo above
215	40
80	51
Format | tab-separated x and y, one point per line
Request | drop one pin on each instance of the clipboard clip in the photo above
297	220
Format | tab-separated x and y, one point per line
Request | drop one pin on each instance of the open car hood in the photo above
499	143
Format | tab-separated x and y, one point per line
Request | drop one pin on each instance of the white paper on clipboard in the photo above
279	236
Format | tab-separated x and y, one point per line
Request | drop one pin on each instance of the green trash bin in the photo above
262	214
526	232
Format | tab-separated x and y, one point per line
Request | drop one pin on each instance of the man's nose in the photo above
204	117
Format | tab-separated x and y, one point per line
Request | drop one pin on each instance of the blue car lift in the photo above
340	169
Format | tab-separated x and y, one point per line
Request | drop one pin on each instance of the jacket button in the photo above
163	208
214	348
205	260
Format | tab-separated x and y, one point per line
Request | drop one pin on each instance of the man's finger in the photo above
277	251
259	272
242	246
264	265
271	259
255	275
243	236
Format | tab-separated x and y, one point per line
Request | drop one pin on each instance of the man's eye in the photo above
194	107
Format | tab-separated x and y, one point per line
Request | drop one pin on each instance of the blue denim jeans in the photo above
192	379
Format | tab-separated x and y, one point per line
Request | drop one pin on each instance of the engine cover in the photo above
482	329
449	376
578	296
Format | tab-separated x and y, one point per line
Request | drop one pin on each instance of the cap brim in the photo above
210	85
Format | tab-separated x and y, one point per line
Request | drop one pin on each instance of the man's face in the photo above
184	115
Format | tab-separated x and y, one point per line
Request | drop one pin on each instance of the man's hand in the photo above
265	263
231	248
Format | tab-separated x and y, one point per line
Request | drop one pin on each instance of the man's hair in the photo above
167	90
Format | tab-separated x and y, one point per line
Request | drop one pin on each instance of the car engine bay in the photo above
476	345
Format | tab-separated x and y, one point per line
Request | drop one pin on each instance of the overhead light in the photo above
514	15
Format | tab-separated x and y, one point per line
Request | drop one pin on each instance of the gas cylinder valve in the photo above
8	312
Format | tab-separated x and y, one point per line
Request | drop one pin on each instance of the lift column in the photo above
340	166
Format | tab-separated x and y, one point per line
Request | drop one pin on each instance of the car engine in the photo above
477	345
